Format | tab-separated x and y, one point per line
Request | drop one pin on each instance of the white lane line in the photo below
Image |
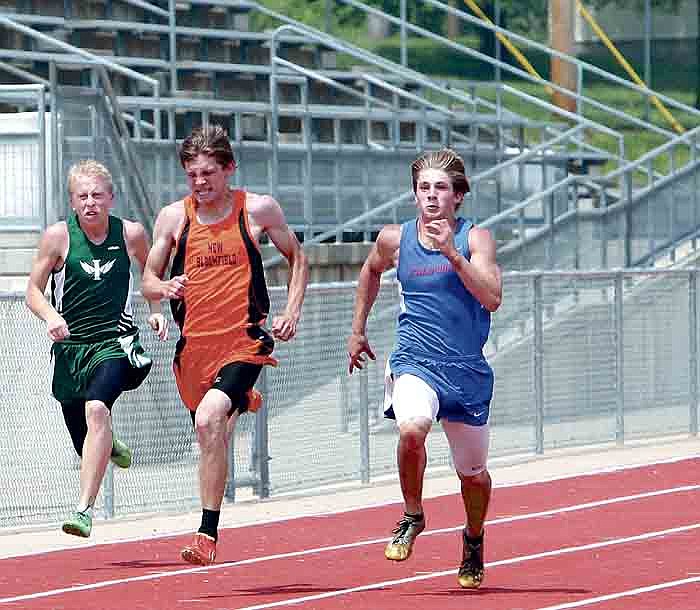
629	593
221	566
171	534
512	560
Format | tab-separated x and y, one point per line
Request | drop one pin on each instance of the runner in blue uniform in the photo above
449	285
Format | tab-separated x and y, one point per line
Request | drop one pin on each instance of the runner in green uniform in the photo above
96	349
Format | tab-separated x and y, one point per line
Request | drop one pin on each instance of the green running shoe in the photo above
78	524
121	454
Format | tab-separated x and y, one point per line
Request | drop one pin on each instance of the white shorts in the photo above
412	397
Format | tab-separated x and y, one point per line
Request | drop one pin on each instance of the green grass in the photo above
671	77
677	83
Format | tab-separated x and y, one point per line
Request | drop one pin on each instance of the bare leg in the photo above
213	428
476	495
96	451
411	456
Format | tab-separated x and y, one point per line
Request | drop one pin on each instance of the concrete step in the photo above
19	239
13	283
16	261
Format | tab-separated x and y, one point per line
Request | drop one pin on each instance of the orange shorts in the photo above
198	360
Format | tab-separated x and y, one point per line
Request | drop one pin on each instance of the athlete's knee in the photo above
210	426
480	479
413	432
96	414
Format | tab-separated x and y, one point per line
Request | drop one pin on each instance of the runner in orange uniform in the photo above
225	303
220	302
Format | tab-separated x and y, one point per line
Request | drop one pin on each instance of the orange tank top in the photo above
226	291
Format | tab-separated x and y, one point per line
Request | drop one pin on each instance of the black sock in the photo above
415	517
210	523
475	541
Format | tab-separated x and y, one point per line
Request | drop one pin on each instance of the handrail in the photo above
381	63
495	62
134	171
628	68
494	220
532	152
21	88
471	52
553	52
80	52
357	52
33	78
39	93
276	62
348	224
633	165
515	52
406	94
620	157
309	73
147	6
419	78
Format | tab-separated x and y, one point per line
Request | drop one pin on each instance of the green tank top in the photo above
92	291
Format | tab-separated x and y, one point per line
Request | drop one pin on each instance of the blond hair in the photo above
91	168
446	160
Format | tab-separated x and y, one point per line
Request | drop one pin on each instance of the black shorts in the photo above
236	380
109	380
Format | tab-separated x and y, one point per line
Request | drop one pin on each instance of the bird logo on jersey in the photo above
95	270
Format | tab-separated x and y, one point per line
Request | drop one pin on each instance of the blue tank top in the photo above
439	318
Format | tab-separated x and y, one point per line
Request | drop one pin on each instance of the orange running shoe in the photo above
254	400
201	552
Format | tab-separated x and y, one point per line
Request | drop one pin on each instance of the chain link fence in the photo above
579	358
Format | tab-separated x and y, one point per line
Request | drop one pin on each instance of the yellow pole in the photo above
508	44
630	70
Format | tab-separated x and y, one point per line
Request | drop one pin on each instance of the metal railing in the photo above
580	358
489	185
86	55
24	162
582	68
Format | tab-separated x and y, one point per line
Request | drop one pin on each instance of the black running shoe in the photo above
471	572
400	548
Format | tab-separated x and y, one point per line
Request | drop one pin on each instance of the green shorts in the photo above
75	364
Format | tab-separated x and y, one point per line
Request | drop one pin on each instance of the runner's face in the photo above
435	195
91	198
207	180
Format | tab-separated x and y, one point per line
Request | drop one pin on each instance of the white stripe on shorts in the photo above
412	397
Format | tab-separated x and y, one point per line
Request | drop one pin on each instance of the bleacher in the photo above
311	116
330	129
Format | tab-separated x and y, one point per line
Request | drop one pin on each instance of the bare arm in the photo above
164	235
268	215
481	275
52	248
137	246
381	257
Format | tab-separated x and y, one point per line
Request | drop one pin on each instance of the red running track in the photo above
626	540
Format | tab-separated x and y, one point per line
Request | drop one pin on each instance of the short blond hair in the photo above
92	168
